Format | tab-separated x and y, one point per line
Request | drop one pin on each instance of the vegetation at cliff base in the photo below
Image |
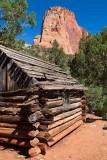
90	67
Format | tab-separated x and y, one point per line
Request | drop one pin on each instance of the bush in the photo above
97	100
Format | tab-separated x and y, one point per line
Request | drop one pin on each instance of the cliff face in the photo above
60	24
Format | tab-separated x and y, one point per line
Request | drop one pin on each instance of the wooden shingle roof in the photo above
36	71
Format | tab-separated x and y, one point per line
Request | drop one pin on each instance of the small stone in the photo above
105	127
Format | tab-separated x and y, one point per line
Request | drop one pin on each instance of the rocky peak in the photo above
59	23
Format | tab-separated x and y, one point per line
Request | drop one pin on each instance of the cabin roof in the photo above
33	70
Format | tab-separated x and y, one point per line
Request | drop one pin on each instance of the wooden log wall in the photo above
37	120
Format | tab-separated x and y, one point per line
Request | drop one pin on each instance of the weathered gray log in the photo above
61	87
62	127
65	132
43	100
66	114
12	99
19	111
58	110
52	104
18	105
32	98
17	142
58	123
44	137
17	133
21	92
74	100
35	117
52	111
14	119
72	106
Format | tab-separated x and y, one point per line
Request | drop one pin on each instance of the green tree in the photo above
58	57
13	18
90	68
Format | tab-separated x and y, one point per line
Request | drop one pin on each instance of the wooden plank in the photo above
62	121
62	127
66	114
40	70
65	132
57	86
30	60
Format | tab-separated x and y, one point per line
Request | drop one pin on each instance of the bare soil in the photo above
88	142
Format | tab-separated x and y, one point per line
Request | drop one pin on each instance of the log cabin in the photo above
39	103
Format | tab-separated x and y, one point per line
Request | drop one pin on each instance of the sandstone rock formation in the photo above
59	23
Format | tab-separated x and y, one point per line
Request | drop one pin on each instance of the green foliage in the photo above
97	100
58	57
13	18
89	64
90	68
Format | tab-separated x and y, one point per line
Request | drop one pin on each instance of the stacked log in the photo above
36	120
15	108
66	117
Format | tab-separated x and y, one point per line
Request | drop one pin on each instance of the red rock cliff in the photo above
60	24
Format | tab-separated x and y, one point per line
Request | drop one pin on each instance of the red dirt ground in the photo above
88	142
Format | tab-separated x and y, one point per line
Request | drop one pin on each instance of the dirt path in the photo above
89	142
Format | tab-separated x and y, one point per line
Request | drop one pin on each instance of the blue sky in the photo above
90	14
